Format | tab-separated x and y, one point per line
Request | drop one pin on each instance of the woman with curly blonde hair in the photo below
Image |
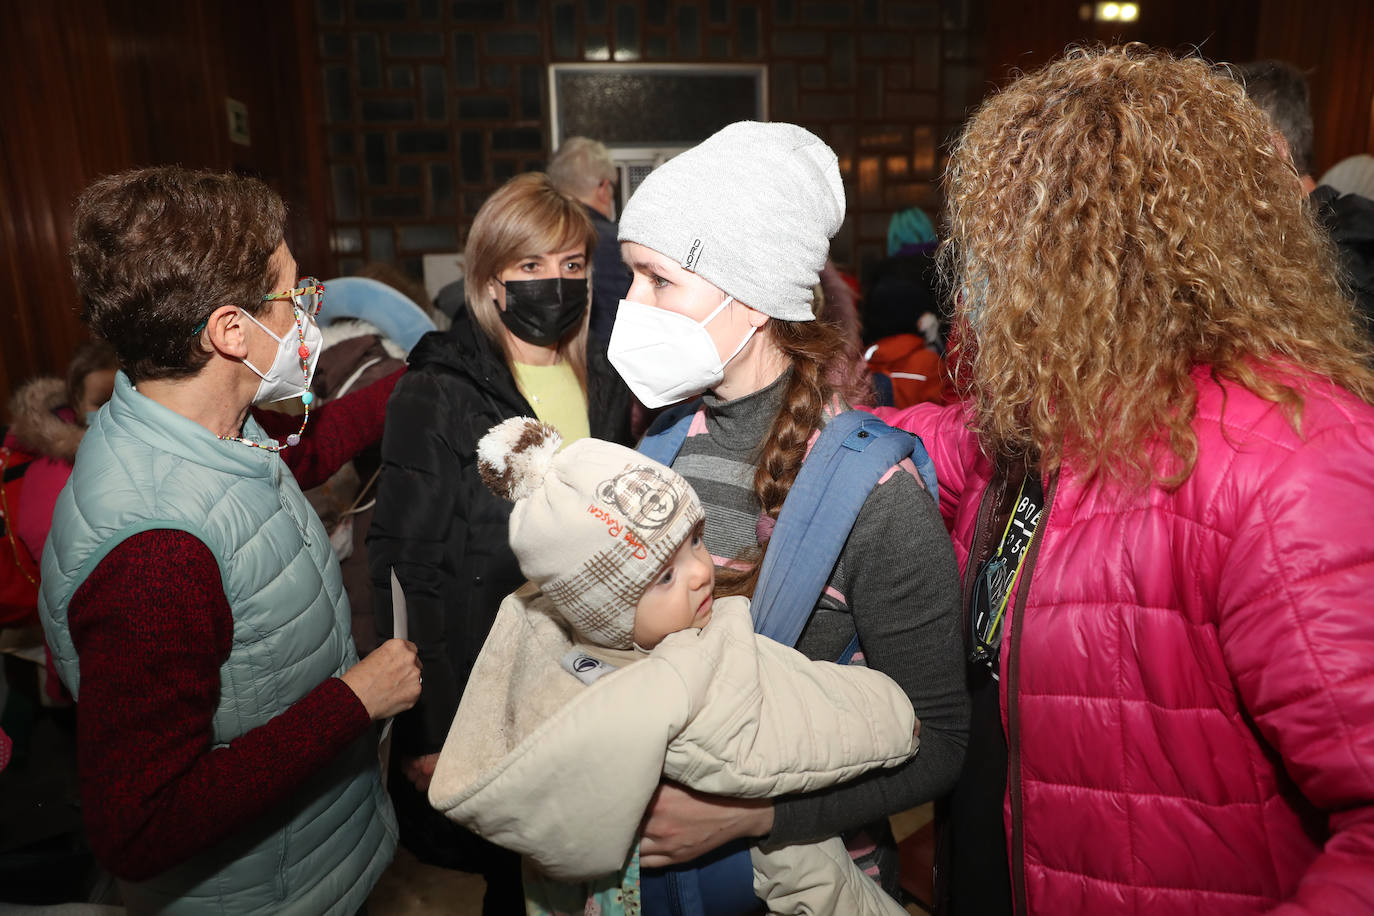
1167	423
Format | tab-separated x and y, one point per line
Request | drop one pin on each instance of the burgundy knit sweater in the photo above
152	626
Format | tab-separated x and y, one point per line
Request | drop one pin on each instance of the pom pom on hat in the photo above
515	455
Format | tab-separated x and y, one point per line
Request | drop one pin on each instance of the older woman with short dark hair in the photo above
194	607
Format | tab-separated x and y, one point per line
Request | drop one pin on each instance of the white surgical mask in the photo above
664	356
289	375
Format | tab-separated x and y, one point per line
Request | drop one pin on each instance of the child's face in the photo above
681	595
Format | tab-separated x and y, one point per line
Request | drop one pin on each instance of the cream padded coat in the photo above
562	773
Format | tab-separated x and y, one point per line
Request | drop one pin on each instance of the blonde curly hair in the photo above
1118	219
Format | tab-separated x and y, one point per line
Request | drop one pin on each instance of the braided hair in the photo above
824	373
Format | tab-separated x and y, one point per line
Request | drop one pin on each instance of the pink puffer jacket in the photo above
1188	685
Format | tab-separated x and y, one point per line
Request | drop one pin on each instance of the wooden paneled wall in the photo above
1334	42
430	106
60	126
1022	36
96	86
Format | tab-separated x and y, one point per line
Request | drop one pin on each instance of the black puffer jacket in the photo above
438	526
1350	220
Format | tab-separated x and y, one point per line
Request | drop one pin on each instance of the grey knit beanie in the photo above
593	524
752	209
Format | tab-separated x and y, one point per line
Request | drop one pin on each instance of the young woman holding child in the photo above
725	242
616	667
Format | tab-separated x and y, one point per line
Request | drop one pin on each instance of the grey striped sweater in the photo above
895	583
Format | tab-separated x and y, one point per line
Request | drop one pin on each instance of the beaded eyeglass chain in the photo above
306	298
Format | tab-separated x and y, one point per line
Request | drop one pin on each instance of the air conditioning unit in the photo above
634	163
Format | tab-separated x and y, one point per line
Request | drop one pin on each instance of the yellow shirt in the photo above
556	397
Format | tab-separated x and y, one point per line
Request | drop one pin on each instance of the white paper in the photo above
400	627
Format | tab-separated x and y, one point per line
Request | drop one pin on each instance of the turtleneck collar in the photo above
741	424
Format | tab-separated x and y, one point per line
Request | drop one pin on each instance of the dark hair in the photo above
91	356
1280	90
156	250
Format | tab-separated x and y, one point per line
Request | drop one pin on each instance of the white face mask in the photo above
664	356
289	375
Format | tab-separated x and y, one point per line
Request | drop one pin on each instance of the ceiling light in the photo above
1114	12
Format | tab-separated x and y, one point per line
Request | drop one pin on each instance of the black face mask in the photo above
540	312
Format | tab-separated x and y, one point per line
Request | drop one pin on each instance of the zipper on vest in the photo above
301	525
1018	840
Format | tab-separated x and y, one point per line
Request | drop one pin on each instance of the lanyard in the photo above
997	578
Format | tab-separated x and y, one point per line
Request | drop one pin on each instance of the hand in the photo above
420	770
680	824
388	680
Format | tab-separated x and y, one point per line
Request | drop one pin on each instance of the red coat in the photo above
1188	688
46	428
916	371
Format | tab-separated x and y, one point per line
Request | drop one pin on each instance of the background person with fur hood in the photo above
48	419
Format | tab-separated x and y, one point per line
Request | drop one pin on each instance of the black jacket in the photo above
610	277
1350	220
897	291
438	526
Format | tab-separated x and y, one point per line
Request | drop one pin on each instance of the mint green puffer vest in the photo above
143	467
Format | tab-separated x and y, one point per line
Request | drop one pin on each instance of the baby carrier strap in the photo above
853	453
665	435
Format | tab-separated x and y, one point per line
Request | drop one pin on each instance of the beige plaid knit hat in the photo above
593	524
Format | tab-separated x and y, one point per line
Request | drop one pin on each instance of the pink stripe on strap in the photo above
907	465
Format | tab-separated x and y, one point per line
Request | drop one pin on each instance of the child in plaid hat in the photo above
616	667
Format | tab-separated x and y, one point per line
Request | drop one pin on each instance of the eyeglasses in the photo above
308	295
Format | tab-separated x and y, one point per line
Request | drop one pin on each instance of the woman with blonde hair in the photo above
1167	424
519	348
